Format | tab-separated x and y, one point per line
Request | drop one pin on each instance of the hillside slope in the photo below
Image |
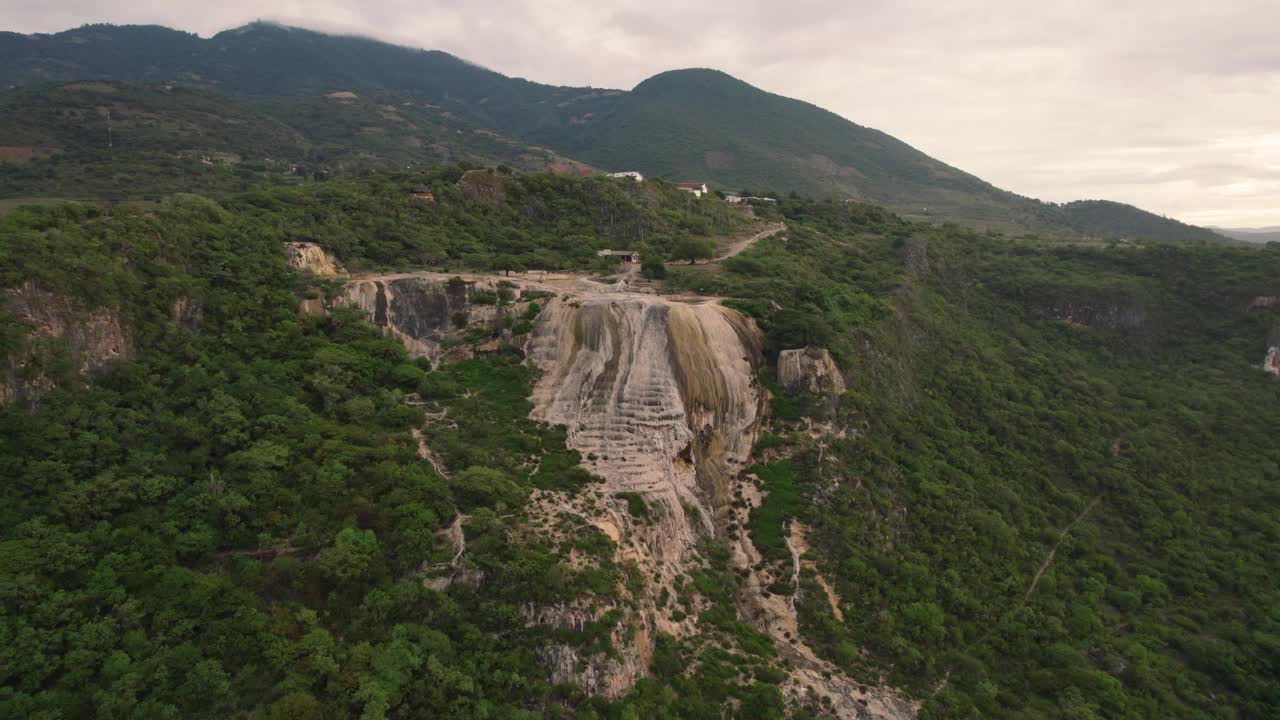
703	124
131	140
1113	220
682	125
1043	488
1252	235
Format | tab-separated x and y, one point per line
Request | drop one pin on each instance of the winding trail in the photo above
1048	560
1035	581
738	246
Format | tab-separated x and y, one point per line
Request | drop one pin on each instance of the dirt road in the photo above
738	246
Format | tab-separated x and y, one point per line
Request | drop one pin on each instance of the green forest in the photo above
1055	493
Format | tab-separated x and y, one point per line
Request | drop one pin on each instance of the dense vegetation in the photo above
1102	218
143	141
233	522
1097	412
414	107
487	219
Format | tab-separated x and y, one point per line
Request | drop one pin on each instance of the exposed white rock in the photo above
811	370
660	399
659	396
1272	363
310	258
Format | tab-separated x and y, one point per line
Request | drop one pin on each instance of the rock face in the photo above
310	258
424	312
1120	314
810	370
1272	363
660	399
417	311
483	186
91	337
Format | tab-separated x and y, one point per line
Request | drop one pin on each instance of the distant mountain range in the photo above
1251	235
340	103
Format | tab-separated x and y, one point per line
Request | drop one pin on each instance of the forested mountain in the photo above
1253	235
1103	218
706	124
131	140
268	60
1048	491
342	405
685	125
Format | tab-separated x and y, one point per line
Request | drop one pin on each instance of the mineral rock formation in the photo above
1272	363
310	258
660	399
810	370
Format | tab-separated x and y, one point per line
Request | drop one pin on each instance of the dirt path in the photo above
1048	560
425	453
738	246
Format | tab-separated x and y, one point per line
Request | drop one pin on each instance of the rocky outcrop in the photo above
660	399
483	186
186	313
811	680
88	338
810	370
310	258
1119	314
1272	363
1264	301
419	312
430	313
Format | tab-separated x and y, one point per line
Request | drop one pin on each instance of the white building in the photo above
628	174
698	189
626	256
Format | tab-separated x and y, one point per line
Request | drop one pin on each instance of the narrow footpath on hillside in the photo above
738	246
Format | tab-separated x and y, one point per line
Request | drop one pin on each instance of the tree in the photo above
653	269
693	249
352	556
478	486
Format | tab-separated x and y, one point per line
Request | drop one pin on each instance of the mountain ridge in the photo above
686	124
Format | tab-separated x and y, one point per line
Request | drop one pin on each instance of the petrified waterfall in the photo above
659	397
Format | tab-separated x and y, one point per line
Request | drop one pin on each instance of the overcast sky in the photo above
1172	105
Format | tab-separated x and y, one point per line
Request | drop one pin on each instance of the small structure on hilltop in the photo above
698	189
628	174
626	256
422	192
